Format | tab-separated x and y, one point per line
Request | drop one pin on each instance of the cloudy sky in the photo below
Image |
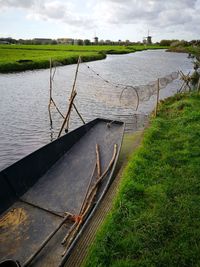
108	19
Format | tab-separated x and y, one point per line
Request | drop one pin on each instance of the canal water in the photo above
106	88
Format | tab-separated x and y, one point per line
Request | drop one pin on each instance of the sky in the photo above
107	19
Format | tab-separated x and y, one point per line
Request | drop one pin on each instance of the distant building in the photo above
101	42
8	40
108	42
78	42
42	40
69	41
96	40
149	40
4	42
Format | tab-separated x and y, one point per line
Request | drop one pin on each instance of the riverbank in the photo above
154	221
14	58
185	49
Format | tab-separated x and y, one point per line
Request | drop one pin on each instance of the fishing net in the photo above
101	97
98	89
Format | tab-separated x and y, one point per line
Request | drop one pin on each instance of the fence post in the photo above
198	85
157	99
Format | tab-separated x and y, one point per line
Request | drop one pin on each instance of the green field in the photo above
155	219
27	57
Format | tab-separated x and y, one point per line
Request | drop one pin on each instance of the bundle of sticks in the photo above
186	81
88	201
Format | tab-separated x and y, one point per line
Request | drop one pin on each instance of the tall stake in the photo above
50	92
71	99
76	74
157	99
198	85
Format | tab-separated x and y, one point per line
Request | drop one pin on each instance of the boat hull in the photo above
38	191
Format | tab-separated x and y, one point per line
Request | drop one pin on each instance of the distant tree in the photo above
179	43
87	42
166	42
54	42
79	42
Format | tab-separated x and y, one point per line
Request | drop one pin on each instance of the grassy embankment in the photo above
155	219
185	49
28	57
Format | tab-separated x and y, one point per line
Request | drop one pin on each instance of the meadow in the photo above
29	57
155	218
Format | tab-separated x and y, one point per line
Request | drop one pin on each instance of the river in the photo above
24	96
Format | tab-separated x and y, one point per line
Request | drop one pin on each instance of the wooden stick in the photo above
67	115
50	92
92	196
57	109
88	188
74	232
76	74
83	203
104	173
69	233
50	81
73	94
49	110
198	85
186	79
98	162
157	99
78	113
90	199
181	87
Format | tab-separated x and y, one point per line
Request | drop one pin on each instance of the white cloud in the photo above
63	11
155	14
158	15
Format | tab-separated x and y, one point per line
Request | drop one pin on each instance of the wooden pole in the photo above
102	175
71	99
78	113
57	108
198	85
98	162
76	74
50	92
157	99
67	115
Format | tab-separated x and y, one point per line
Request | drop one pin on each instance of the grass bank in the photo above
29	57
155	219
185	49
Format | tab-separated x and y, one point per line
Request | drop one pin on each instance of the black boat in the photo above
48	197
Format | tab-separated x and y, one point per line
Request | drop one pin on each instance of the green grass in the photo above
27	57
20	60
156	216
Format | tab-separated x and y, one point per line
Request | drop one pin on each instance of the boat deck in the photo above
61	189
